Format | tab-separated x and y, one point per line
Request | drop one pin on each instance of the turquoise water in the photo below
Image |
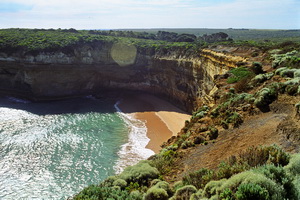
52	150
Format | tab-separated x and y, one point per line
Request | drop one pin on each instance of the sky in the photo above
116	14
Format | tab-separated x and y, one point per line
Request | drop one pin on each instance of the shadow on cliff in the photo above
71	106
128	102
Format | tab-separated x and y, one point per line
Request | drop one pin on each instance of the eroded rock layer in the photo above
91	68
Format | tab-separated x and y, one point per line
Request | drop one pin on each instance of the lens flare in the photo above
123	54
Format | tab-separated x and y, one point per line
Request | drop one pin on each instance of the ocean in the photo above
52	150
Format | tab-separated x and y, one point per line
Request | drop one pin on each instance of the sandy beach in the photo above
162	119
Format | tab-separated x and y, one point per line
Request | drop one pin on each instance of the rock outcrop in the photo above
93	68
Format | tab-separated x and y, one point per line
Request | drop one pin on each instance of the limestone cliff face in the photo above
90	69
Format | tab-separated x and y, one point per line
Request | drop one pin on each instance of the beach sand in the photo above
163	120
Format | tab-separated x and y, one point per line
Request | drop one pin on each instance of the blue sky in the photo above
110	14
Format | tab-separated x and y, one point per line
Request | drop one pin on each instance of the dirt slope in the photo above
278	126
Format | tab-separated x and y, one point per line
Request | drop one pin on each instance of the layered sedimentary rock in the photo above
93	68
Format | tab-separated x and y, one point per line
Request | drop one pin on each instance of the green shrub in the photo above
227	169
133	186
251	158
199	139
293	170
141	173
231	101
277	87
260	78
155	193
159	190
287	73
216	111
265	182
257	156
265	96
186	144
95	193
275	191
292	86
279	175
184	193
197	196
169	152
213	133
252	191
294	165
163	162
227	194
279	70
289	59
200	113
224	124
231	90
135	195
109	181
198	178
120	182
164	185
257	68
291	89
172	147
297	73
235	119
238	74
211	188
177	185
154	182
294	81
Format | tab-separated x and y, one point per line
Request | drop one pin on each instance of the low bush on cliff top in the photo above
160	190
258	173
263	173
164	161
101	193
266	95
239	74
32	40
140	173
251	158
229	102
289	59
267	182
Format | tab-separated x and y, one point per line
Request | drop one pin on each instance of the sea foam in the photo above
135	149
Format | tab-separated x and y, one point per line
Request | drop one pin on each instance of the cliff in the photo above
92	68
216	154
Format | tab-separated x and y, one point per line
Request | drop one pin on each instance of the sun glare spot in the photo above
123	54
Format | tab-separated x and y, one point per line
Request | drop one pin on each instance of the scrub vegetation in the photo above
33	40
258	172
264	86
265	172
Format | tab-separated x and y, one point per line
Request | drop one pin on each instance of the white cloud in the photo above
250	14
154	13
